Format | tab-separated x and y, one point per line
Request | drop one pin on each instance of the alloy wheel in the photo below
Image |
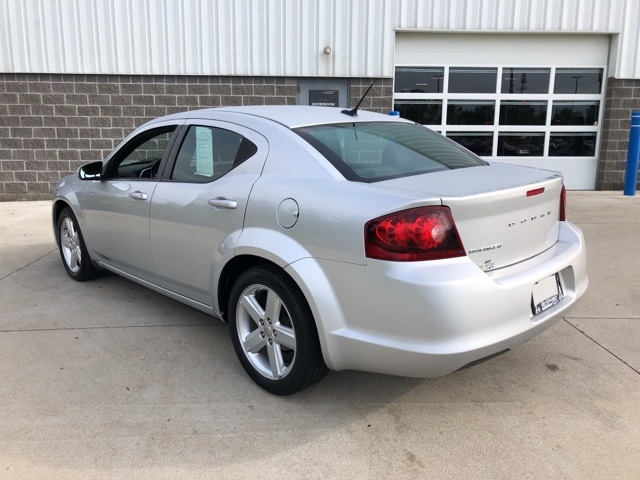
266	332
70	245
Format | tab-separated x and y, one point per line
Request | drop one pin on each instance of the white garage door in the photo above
534	100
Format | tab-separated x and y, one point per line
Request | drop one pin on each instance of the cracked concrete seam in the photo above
28	264
617	357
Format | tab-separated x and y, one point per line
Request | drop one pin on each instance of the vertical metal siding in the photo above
276	37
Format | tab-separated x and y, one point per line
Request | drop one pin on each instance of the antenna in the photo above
354	112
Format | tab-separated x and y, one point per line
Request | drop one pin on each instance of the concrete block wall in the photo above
380	97
623	96
52	124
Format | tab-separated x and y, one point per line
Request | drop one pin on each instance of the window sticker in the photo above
204	152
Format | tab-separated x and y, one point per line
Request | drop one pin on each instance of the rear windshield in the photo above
375	151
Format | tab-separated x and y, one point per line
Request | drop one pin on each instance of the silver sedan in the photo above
328	240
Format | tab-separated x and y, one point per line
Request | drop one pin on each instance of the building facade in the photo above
544	83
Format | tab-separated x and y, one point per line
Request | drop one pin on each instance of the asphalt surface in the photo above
107	379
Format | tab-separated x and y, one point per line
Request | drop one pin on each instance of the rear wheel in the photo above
273	332
73	251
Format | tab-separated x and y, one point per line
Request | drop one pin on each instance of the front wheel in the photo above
273	332
73	251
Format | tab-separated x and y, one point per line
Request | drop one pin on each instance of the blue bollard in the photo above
631	175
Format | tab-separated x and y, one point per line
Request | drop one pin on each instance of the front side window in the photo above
371	152
141	156
208	153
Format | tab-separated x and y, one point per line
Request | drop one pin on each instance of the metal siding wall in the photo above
275	37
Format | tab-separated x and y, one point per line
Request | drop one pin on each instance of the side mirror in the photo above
90	171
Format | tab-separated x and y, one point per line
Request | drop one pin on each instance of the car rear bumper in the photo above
425	319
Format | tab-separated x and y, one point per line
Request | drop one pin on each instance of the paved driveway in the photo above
109	380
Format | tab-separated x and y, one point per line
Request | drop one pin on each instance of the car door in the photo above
117	206
197	211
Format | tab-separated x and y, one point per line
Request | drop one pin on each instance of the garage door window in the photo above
506	111
525	80
472	80
523	112
425	112
529	144
480	143
575	113
578	81
572	145
470	112
419	79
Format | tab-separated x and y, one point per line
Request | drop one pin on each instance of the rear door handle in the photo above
138	195
221	202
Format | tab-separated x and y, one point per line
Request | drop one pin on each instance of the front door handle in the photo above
138	195
221	202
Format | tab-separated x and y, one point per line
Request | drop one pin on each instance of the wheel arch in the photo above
327	308
59	204
230	273
56	209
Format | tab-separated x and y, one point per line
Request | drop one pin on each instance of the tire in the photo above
75	258
273	332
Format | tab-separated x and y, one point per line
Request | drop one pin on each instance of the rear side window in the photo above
375	151
208	153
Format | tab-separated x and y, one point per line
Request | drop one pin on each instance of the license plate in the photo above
547	293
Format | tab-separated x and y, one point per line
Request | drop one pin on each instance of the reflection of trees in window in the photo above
565	116
470	114
424	113
523	113
592	114
575	113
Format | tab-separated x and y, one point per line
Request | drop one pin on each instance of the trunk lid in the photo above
504	213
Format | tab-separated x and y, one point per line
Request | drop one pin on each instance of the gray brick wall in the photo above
379	99
52	124
623	96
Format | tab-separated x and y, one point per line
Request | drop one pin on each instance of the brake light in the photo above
424	233
534	192
563	205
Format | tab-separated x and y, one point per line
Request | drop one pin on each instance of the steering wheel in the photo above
151	171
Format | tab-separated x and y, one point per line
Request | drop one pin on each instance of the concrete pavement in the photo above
107	379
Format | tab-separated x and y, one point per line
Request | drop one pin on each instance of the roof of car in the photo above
291	115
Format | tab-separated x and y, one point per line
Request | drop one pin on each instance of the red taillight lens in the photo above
563	205
424	233
534	192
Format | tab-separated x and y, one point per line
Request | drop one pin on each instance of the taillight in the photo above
423	233
563	205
